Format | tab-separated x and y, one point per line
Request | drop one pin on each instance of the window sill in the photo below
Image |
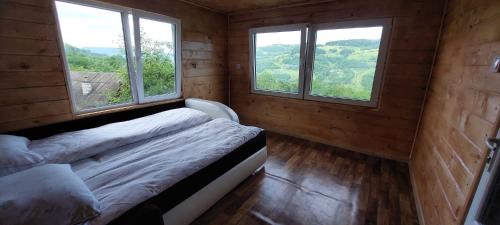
350	102
276	94
332	104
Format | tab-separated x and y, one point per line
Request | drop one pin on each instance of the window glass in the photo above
94	47
158	57
277	61
118	56
345	61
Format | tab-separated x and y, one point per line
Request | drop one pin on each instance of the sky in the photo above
323	36
83	26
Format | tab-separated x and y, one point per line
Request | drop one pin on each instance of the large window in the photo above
117	56
343	63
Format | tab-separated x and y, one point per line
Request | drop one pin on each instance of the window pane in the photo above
277	61
158	57
94	46
345	62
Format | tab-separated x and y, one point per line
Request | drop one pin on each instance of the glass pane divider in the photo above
130	56
138	57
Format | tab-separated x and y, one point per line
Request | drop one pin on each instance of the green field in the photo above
343	69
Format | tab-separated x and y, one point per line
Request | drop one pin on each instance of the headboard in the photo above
94	121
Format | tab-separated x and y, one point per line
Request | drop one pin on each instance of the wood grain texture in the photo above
231	6
310	183
387	131
461	111
32	81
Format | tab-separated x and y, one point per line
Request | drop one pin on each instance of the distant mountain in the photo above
361	43
343	68
103	50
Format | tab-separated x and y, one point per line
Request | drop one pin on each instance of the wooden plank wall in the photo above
461	111
32	83
387	131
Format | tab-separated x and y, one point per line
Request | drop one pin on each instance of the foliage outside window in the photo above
117	56
277	61
343	63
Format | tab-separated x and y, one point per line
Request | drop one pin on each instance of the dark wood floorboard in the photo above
309	183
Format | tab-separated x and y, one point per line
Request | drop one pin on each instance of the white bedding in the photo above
72	146
122	178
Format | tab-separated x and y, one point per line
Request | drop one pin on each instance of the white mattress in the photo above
122	178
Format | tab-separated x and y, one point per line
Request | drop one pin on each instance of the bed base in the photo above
191	208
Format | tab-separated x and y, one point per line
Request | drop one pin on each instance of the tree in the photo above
158	71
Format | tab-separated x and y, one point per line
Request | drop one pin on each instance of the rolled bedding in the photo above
72	146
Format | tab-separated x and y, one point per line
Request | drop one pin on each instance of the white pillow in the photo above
15	155
48	194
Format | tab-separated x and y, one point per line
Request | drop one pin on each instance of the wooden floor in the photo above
309	183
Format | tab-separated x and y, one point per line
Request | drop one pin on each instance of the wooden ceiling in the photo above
231	6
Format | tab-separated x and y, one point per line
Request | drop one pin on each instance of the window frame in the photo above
302	27
132	59
137	15
386	24
307	50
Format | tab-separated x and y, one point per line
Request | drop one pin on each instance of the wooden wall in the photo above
32	83
387	131
461	111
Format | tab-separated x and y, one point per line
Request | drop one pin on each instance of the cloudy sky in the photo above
83	26
323	36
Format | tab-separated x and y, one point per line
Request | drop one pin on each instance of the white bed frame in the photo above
188	210
214	109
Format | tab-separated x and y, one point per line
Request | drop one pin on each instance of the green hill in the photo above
84	60
342	69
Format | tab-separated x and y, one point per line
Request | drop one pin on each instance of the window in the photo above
278	56
157	67
117	56
344	62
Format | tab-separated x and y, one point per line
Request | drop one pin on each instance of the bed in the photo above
159	173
